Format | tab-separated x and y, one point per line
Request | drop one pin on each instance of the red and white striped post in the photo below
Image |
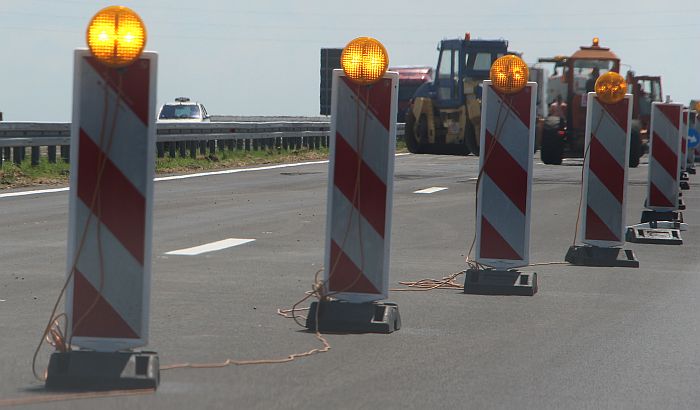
110	225
358	225
507	140
684	185
602	218
664	162
692	128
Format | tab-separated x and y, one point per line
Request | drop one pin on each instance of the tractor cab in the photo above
462	65
444	116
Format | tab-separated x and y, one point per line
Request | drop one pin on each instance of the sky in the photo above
261	57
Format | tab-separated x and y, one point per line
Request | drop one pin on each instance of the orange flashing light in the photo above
509	74
116	36
364	60
610	87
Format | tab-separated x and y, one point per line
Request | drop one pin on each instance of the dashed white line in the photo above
210	247
430	190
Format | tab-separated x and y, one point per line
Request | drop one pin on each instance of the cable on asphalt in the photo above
52	333
318	286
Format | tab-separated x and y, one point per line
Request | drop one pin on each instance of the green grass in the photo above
26	174
12	176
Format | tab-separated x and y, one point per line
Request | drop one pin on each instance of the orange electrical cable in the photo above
65	345
318	286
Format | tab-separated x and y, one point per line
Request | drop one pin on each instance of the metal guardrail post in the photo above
202	147
160	149
183	148
35	156
51	152
17	155
65	153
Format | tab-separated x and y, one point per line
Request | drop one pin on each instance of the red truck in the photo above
410	78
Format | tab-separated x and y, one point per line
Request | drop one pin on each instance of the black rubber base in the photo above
587	255
684	176
89	370
655	216
685	185
500	282
691	171
345	317
650	235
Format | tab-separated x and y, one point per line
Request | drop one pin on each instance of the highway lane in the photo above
591	338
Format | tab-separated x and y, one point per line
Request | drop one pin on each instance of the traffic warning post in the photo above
605	171
693	140
360	187
663	188
110	215
684	185
504	188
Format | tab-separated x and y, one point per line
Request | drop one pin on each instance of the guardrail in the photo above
175	139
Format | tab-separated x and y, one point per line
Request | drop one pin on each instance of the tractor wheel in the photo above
412	134
635	150
552	148
470	139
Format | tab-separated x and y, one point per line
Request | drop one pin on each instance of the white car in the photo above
182	110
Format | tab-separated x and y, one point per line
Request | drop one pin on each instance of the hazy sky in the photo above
261	57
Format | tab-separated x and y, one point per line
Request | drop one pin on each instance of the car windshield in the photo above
179	112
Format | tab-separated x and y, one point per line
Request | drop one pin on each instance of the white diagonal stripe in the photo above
507	128
345	231
665	129
374	137
128	151
430	190
123	274
604	204
502	214
608	132
210	247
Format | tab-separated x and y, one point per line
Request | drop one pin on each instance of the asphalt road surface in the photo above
591	338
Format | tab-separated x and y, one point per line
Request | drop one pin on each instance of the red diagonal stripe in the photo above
121	208
664	156
379	96
371	201
672	112
505	171
134	84
519	103
493	246
607	169
102	320
596	229
657	198
617	111
345	276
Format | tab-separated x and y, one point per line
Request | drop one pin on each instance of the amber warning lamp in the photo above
509	74
610	87
116	36
364	60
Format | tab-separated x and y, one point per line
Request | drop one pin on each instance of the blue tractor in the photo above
444	115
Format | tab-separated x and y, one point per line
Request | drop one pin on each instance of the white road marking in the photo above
187	176
431	190
25	193
210	247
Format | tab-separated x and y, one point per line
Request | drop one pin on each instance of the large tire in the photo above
412	134
552	148
470	139
635	149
